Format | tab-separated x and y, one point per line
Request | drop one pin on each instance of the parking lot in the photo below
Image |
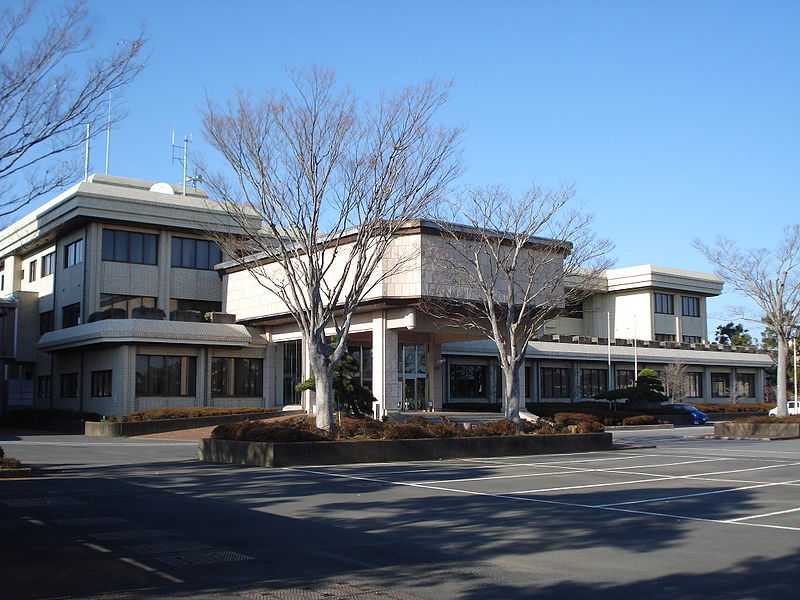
690	518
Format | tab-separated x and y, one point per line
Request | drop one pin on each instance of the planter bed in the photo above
14	473
131	428
378	451
635	427
732	415
784	430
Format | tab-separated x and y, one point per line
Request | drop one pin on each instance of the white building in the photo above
106	288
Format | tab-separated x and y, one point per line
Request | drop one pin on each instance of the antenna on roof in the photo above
108	131
183	160
86	153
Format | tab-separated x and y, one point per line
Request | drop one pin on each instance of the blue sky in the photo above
674	119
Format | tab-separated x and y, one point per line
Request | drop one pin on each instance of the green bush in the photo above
640	420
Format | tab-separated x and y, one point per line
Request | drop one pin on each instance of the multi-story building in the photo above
110	302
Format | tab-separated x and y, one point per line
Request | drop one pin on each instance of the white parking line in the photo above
777	512
543	500
724	491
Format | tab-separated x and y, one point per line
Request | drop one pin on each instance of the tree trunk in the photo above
513	391
323	392
780	392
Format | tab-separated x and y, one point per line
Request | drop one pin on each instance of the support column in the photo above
385	386
164	272
760	383
437	373
268	375
707	384
203	377
576	382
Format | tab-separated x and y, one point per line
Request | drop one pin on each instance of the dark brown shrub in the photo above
257	431
419	421
9	463
448	429
359	428
575	418
640	420
503	427
403	431
184	412
590	427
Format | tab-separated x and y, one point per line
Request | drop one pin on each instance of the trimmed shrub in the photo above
259	431
640	420
359	428
403	431
503	427
768	419
9	463
187	412
566	418
589	427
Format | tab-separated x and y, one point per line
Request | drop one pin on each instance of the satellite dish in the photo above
162	188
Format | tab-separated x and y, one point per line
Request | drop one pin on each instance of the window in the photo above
126	303
665	337
362	355
574	311
69	385
44	387
695	385
720	383
47	321
746	382
664	304
48	264
593	381
32	271
101	384
625	378
194	254
73	253
165	375
71	315
236	376
555	382
692	339
468	381
202	306
292	358
130	247
690	307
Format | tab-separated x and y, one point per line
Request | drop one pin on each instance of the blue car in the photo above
698	417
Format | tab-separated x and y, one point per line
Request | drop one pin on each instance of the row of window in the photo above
670	337
169	376
664	304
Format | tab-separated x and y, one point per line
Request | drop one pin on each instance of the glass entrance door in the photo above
413	370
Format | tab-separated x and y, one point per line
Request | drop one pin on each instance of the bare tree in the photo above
772	280
676	380
517	263
738	390
333	180
46	101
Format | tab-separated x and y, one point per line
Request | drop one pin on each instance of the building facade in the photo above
115	298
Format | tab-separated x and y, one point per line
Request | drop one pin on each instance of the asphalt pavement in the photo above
141	518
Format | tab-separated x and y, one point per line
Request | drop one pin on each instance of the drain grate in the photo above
190	559
80	521
34	502
167	547
128	534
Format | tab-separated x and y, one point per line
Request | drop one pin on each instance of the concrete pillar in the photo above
269	376
164	272
576	382
678	329
535	382
437	373
203	378
707	384
385	385
760	383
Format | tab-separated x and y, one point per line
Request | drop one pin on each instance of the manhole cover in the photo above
190	559
167	547
128	534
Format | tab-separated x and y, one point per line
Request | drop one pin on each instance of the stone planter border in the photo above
379	451
784	430
131	428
